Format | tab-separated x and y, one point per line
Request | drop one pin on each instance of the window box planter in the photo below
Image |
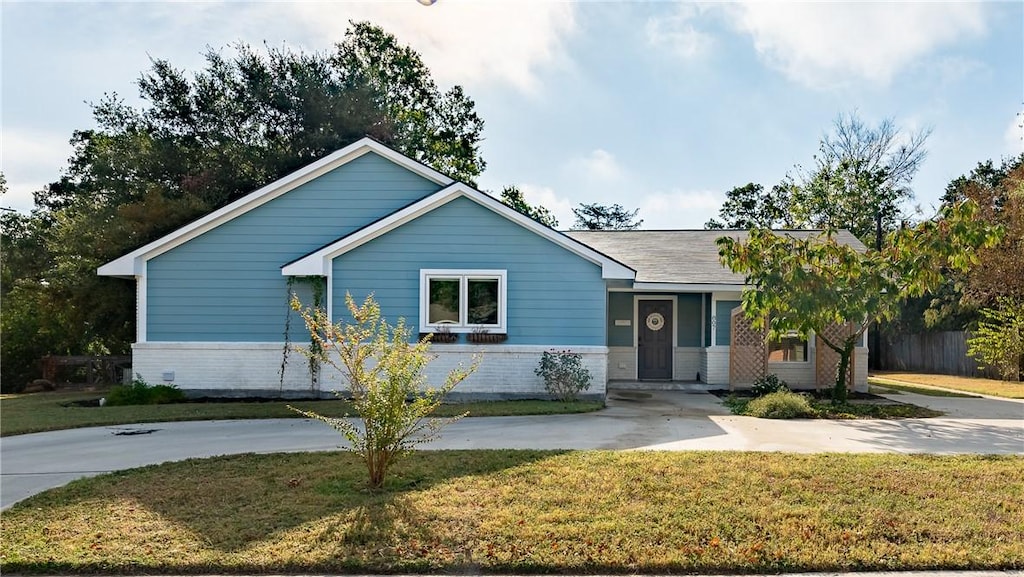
442	338
484	338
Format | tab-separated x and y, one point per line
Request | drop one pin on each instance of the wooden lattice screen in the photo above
748	351
826	361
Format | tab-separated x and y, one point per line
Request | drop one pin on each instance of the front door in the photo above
654	339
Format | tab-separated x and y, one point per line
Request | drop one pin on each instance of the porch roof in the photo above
678	256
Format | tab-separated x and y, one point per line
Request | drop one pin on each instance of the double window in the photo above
462	299
789	349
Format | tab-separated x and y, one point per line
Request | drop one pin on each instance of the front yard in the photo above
35	412
924	381
530	512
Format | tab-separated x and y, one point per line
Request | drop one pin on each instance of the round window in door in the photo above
655	321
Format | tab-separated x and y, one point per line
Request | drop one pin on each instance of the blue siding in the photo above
226	285
620	306
554	296
708	314
689	320
723	312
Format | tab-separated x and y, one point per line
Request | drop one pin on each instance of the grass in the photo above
518	512
992	387
35	412
824	409
886	387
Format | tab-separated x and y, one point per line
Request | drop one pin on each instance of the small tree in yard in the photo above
808	284
384	371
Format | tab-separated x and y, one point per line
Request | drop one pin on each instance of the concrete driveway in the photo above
649	420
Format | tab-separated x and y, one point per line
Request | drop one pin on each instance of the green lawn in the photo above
887	387
49	411
517	512
919	381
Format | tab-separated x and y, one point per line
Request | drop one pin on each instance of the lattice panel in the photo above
748	351
826	361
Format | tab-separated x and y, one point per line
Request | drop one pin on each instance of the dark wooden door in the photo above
654	339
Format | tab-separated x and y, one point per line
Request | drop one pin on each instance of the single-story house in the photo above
212	296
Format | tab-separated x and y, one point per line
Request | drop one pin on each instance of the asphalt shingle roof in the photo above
676	256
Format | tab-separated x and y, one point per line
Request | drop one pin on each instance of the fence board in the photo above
943	353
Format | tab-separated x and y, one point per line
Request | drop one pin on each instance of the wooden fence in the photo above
942	353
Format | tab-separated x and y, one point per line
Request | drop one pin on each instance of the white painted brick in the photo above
716	372
687	363
622	363
255	367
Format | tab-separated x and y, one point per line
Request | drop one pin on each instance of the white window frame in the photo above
463	276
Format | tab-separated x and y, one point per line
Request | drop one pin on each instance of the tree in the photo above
512	196
810	283
386	386
860	179
998	341
956	304
199	141
602	217
749	206
999	192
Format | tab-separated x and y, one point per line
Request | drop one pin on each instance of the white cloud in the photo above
1014	135
678	209
677	33
827	44
29	161
462	42
597	166
559	206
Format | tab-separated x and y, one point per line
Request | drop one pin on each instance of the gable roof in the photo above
678	257
318	262
131	264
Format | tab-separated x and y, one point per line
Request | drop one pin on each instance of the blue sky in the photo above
658	106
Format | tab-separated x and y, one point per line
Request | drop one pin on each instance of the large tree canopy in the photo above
512	196
860	178
197	142
602	217
808	284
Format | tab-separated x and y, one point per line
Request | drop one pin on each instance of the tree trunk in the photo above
839	392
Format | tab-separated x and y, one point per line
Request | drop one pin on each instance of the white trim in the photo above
715	297
131	263
142	304
684	287
636	328
276	346
463	276
318	262
703	319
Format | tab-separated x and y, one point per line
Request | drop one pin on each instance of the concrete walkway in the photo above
634	420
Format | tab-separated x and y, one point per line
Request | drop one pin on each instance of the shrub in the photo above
998	342
385	381
564	374
768	384
139	392
780	405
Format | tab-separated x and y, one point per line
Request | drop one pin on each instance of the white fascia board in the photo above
319	262
684	287
131	264
610	268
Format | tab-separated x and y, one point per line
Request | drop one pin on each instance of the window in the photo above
789	349
462	299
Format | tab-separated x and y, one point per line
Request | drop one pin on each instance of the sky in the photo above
658	106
